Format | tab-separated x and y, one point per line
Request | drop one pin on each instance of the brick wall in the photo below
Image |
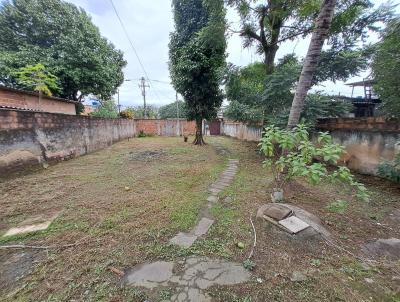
20	99
32	138
165	127
365	124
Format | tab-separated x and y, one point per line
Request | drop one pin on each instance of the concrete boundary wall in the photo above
241	131
29	139
368	141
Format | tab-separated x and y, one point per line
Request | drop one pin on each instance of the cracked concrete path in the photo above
198	273
190	283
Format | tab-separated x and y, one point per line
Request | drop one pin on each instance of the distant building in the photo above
11	98
364	105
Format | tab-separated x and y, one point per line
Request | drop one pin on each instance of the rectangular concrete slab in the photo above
184	240
28	229
294	224
33	224
212	199
203	226
214	190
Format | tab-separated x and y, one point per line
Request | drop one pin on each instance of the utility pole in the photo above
177	115
143	86
119	106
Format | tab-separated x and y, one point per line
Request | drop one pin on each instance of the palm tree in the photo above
318	37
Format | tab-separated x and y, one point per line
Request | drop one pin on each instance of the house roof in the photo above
366	82
4	88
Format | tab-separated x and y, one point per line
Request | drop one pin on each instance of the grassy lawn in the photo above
122	205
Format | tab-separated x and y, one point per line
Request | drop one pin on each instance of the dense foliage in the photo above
63	38
151	111
173	110
386	68
291	154
197	56
36	78
268	24
257	97
107	109
390	169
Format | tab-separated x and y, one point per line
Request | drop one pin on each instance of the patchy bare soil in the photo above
166	182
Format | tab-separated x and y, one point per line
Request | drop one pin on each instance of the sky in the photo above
148	24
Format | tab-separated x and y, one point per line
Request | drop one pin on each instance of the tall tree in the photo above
386	69
268	24
197	57
62	38
310	64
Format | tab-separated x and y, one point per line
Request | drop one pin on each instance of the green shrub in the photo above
390	169
291	154
127	114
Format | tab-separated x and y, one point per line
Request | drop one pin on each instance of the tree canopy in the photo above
268	24
386	69
173	110
256	96
197	56
37	78
63	38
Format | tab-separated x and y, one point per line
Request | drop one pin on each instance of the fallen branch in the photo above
255	239
23	246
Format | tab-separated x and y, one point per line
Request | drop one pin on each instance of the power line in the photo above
131	43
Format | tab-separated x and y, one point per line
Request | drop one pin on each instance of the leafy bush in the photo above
127	114
291	154
108	109
390	169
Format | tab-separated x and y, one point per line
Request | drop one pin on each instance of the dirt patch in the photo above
16	265
147	155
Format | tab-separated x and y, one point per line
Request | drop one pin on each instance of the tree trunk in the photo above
199	133
318	37
269	58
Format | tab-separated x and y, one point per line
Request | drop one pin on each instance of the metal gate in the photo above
215	128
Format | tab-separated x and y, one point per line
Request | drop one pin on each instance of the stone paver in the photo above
214	190
387	248
198	275
150	275
212	199
203	226
184	240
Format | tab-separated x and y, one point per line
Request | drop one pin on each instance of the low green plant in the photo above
315	262
165	294
390	169
249	264
338	206
143	134
291	154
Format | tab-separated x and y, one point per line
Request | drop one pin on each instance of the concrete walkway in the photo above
198	273
186	240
